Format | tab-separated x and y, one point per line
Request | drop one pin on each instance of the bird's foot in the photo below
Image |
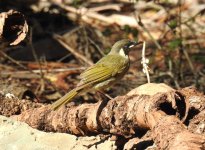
106	95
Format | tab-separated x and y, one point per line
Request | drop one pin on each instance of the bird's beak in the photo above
133	43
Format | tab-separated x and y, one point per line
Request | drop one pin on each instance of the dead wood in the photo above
123	115
70	49
13	27
196	116
13	106
92	16
197	124
195	98
177	136
181	103
170	133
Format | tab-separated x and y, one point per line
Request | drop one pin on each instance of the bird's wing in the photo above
95	74
109	66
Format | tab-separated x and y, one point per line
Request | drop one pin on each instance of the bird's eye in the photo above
126	47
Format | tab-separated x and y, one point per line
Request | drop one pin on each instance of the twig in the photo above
34	74
72	31
13	60
170	73
71	50
181	48
97	47
83	12
139	21
67	34
194	16
63	58
42	87
90	17
87	54
187	55
144	63
44	71
191	66
106	7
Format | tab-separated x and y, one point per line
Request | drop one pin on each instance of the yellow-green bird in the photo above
108	70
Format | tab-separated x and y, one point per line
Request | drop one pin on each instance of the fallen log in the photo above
127	116
123	115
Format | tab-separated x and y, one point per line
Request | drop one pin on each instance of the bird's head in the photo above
123	47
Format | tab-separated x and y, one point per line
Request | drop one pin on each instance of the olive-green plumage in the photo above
103	74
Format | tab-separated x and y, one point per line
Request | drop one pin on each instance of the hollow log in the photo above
127	115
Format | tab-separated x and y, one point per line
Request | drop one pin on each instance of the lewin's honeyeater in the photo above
108	70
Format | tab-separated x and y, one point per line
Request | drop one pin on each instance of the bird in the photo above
108	70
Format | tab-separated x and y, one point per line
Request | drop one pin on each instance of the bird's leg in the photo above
106	95
99	96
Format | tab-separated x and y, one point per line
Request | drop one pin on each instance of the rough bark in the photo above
170	133
195	98
196	117
197	124
125	115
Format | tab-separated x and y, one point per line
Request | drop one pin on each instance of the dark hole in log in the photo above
192	112
140	132
13	25
120	142
167	108
181	106
143	145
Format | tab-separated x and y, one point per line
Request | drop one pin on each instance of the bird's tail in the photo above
64	100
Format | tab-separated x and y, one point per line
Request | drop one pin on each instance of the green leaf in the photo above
173	24
174	43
